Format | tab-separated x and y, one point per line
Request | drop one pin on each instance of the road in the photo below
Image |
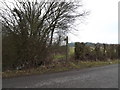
96	77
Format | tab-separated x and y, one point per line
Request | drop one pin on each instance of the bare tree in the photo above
33	24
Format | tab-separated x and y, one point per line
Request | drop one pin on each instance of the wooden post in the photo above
0	53
66	48
66	39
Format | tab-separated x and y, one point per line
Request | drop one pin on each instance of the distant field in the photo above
71	50
63	56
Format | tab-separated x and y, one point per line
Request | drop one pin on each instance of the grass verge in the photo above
56	68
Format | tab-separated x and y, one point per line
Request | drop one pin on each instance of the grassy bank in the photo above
57	68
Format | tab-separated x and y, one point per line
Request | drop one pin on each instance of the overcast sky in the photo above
101	25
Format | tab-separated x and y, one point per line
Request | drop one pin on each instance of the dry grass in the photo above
57	68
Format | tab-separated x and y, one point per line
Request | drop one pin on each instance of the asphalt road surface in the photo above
96	77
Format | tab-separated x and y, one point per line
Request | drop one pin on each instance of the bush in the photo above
96	51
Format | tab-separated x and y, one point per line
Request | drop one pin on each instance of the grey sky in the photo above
101	25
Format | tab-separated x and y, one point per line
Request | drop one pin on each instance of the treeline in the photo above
98	51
